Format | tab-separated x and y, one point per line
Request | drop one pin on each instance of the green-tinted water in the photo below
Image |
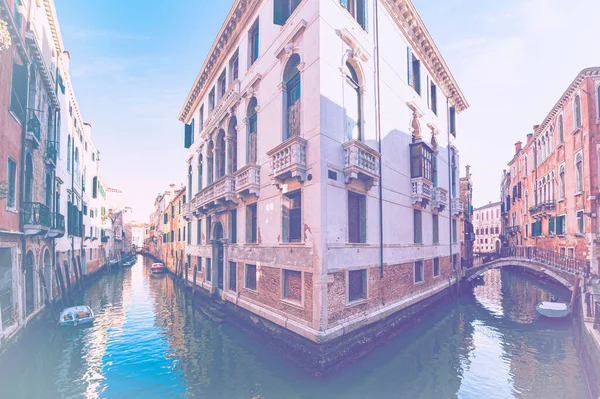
149	342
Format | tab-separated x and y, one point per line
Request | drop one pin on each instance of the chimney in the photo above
536	128
518	146
468	168
172	191
529	137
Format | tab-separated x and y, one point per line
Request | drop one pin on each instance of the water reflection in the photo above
150	341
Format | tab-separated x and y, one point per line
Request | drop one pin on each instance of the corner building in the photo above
550	191
322	175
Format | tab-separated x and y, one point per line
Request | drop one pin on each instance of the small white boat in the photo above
553	310
157	268
75	316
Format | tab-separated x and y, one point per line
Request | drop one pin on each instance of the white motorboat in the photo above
553	310
76	315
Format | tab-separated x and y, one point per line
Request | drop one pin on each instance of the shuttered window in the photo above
551	224
282	9
233	276
292	285
436	267
417	227
358	10
357	218
250	277
357	285
18	91
580	222
433	101
454	231
435	224
251	223
253	41
208	269
234	226
188	136
418	272
452	112
291	215
11	199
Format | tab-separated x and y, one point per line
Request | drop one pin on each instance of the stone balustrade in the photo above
361	162
421	191
288	160
247	180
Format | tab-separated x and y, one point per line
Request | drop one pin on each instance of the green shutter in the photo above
188	136
363	219
361	13
248	224
285	219
417	76
280	12
551	226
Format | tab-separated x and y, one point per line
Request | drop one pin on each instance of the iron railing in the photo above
512	230
51	153
597	315
58	221
551	259
35	213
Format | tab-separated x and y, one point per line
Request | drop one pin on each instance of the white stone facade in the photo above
487	222
276	210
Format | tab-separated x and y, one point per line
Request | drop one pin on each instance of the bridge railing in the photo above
552	259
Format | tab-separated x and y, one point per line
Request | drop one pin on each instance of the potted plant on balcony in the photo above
3	190
5	39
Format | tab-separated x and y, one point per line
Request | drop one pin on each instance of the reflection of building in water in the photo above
490	293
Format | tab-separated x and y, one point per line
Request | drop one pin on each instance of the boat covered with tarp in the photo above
76	315
553	310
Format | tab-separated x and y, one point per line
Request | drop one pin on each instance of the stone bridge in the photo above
150	256
560	268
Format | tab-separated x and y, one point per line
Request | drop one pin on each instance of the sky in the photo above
133	64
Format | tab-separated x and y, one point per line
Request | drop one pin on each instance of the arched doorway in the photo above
47	280
217	236
29	283
497	246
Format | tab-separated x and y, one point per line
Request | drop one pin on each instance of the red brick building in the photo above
550	192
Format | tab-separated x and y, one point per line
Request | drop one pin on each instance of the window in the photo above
562	251
436	267
199	263
199	232
201	118
434	171
551	226
580	221
17	14
455	231
358	10
200	171
211	100
433	91
250	277
435	224
421	161
291	98
69	154
578	173
208	269
251	223
417	227
172	236
172	211
234	67
561	182
418	272
357	285
414	71
291	213
233	276
352	104
11	181
282	9
357	218
536	229
165	218
577	112
292	285
452	111
253	44
251	144
188	237
561	130
188	134
222	84
18	94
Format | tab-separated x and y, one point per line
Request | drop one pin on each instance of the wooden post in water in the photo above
186	272
81	280
574	294
195	273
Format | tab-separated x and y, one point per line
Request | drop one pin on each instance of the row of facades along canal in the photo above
150	340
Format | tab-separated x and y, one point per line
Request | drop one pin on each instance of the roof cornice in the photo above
408	19
54	26
235	22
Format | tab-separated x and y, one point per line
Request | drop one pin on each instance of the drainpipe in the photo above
449	183
22	193
378	116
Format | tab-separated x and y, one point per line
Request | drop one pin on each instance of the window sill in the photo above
12	210
357	302
15	117
578	194
438	276
357	244
294	304
560	145
561	200
576	131
251	291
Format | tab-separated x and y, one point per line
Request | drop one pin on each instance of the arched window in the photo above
232	143
210	161
561	130
189	184
577	112
352	104
28	178
48	186
551	183
251	140
544	191
579	173
200	171
561	182
291	98
221	153
526	200
526	170
69	154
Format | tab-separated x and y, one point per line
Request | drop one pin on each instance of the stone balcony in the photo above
229	99
361	162
421	191
513	230
57	228
288	161
457	206
247	180
187	210
439	198
543	210
33	135
36	218
216	195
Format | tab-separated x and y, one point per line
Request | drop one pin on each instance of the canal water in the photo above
149	342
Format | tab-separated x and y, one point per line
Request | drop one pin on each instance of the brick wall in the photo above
397	283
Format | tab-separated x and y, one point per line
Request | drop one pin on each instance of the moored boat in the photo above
76	315
554	310
157	268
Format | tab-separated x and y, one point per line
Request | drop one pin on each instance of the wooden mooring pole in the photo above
575	292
